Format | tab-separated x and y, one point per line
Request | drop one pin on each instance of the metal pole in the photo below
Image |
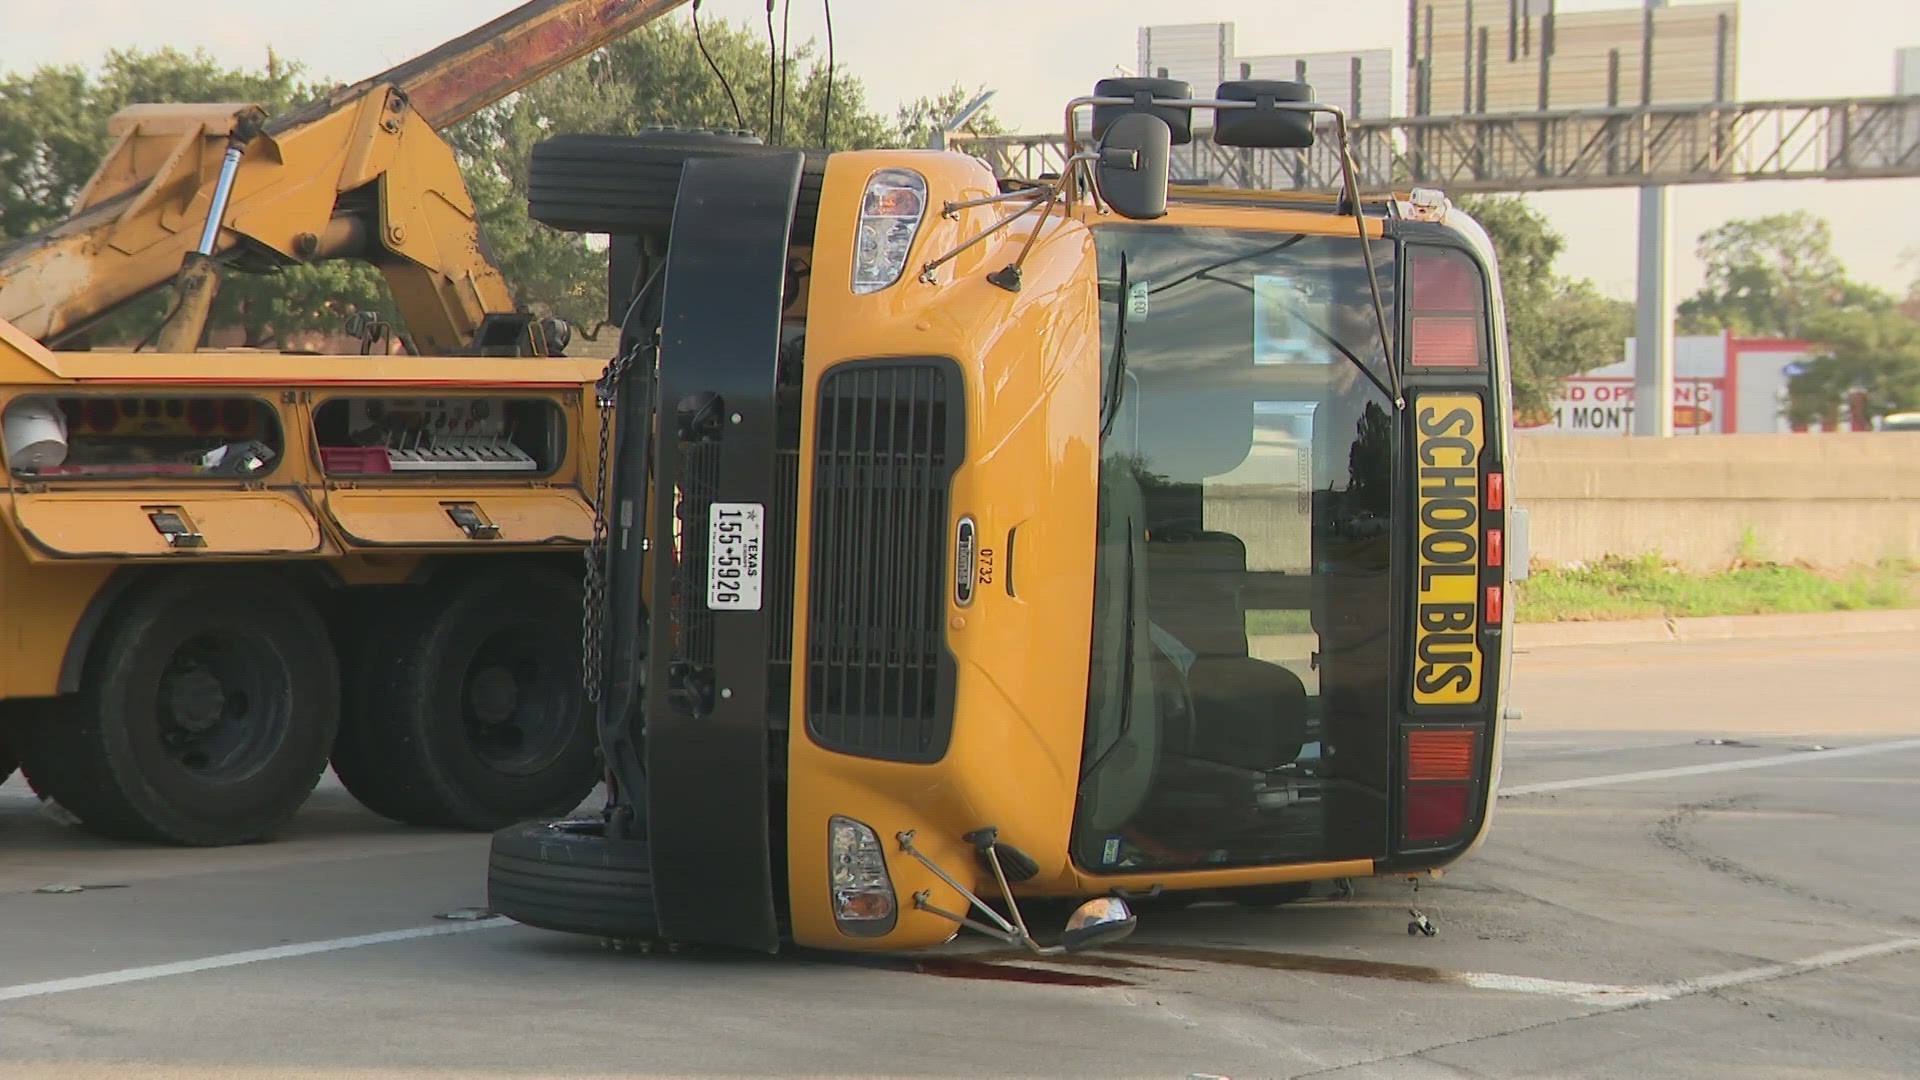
941	131
222	191
1653	333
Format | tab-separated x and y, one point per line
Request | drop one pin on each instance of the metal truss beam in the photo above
1829	139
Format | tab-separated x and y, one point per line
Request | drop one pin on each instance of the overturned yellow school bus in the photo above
977	537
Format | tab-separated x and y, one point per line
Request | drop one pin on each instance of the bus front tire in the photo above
569	876
204	717
464	709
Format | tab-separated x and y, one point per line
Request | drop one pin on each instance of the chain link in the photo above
594	582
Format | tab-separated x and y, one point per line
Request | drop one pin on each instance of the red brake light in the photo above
1495	548
1496	491
1444	281
1495	605
1446	340
1436	811
1440	753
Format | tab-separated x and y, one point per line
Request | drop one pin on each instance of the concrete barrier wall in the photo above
1824	499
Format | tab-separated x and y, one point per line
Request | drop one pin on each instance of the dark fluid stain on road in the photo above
956	967
1134	958
1279	961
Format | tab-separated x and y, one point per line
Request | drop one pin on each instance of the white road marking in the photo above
251	956
1594	993
1622	997
1803	757
1767	972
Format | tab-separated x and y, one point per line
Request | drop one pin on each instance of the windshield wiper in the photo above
1117	369
1126	662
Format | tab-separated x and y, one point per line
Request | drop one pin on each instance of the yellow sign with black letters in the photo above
1449	433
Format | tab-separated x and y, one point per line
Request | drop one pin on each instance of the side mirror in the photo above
1264	125
1102	921
1132	169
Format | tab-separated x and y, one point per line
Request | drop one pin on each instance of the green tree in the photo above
1773	276
916	120
53	134
1874	351
1556	326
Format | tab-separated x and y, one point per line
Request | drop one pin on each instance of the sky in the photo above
1035	56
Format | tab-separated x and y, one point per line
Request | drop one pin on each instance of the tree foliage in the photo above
1874	351
53	135
1771	276
659	76
916	120
1556	326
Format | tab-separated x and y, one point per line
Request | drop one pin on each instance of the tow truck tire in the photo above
465	711
570	877
204	716
628	184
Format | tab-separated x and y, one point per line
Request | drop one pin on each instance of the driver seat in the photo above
1248	714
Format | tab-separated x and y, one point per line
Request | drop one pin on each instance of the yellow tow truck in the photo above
222	569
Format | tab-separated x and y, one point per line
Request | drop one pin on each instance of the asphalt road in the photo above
1650	903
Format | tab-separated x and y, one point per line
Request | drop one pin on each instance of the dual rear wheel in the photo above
212	701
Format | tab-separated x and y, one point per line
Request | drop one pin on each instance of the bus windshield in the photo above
1238	705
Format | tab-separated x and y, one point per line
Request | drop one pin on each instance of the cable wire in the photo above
739	121
786	23
773	73
826	108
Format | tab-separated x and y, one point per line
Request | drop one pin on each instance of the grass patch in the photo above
1645	587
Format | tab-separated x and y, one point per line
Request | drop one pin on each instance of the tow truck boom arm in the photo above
361	172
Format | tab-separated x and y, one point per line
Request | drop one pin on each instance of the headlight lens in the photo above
890	213
857	870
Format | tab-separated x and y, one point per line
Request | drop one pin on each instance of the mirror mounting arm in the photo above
1096	922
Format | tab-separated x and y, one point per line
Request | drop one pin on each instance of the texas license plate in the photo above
734	553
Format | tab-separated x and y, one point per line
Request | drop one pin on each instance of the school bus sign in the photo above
1449	433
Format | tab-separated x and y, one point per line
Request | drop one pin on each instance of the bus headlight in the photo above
890	213
863	900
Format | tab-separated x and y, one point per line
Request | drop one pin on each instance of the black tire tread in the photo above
628	184
383	754
570	882
63	743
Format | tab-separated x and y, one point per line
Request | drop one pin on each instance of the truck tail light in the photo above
1437	811
1442	774
1496	491
1448	308
1440	753
1446	341
1496	605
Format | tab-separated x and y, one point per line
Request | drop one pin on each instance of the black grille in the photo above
782	525
888	435
699	475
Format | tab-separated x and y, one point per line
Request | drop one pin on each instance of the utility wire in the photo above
786	22
773	73
826	109
739	121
